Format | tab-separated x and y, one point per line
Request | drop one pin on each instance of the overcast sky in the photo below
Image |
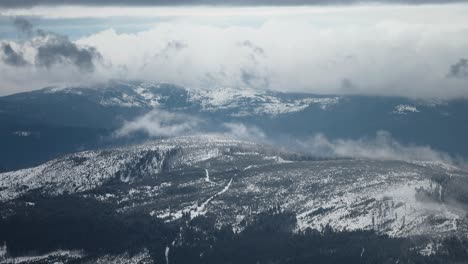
29	3
418	50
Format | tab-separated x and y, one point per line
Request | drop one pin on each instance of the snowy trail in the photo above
207	177
248	167
195	210
166	253
202	208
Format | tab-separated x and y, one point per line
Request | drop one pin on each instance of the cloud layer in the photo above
382	147
58	50
413	51
43	58
29	3
160	123
320	55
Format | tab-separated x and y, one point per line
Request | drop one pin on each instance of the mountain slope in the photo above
88	117
233	180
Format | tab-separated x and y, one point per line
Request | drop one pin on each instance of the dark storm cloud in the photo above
459	69
51	49
60	50
29	3
12	57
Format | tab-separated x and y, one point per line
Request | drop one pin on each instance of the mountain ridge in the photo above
348	194
88	117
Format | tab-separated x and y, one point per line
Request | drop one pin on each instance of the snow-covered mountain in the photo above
234	179
232	101
80	118
238	101
178	179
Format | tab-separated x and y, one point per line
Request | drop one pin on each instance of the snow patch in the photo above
207	177
166	254
247	101
69	254
22	133
141	258
405	109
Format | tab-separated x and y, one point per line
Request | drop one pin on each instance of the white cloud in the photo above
363	11
382	50
382	147
245	132
159	123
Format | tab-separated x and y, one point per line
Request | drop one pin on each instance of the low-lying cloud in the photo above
160	123
382	147
244	132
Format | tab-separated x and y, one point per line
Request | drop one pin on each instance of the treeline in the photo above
270	237
444	188
72	222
